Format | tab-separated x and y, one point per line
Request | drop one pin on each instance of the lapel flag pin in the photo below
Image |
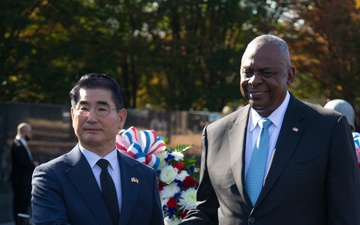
295	129
134	180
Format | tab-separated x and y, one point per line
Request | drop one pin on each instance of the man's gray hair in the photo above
277	42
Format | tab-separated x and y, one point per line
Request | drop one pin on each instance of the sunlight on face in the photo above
97	133
264	78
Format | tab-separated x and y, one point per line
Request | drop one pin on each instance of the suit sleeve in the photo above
157	213
343	170
48	206
205	212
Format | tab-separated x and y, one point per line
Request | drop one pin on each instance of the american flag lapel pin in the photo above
134	180
295	129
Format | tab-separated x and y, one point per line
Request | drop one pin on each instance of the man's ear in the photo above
122	118
291	75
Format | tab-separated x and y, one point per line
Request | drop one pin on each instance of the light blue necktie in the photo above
256	171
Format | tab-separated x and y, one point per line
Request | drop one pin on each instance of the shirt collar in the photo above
276	117
92	158
22	140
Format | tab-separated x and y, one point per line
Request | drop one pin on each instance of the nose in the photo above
255	79
92	115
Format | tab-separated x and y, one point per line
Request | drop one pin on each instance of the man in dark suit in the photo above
22	167
71	189
309	175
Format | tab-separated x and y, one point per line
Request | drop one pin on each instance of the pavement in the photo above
6	217
7	223
6	207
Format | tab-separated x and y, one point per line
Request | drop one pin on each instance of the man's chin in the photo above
256	104
259	108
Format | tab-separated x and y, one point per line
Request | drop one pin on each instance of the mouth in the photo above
89	130
256	93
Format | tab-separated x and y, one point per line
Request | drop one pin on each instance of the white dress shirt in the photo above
253	130
22	140
113	168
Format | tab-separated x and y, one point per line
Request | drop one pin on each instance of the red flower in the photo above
184	213
160	186
171	203
189	182
179	166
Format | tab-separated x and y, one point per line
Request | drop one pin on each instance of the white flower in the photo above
178	156
188	199
174	221
181	176
162	156
168	174
170	190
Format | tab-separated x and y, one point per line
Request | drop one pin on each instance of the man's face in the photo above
264	78
95	131
27	133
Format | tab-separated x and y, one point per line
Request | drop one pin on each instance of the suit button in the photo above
252	220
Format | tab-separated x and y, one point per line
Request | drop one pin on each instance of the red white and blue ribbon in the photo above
141	145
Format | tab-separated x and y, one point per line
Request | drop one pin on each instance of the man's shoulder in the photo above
56	162
310	109
230	119
318	110
314	114
16	143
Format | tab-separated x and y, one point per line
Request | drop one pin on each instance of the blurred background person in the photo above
22	168
347	110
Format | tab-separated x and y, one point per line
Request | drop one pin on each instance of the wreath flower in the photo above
177	177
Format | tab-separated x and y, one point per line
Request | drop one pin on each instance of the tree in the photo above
326	48
175	55
197	62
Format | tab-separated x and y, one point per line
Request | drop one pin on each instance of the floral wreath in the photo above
177	180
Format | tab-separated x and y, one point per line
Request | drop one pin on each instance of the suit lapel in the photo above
237	139
82	177
289	136
130	186
24	150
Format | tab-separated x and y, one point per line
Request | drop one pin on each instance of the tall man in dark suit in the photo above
309	175
22	167
71	189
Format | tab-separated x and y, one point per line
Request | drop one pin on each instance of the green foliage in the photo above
326	49
174	55
182	148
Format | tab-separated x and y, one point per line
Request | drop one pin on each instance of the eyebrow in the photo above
102	103
262	68
98	103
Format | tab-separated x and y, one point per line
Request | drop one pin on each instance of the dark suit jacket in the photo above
21	165
313	179
65	192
